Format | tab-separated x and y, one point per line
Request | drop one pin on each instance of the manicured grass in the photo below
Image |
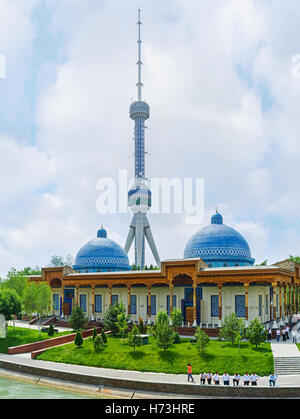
219	356
21	336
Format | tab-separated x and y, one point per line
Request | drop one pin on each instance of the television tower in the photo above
139	196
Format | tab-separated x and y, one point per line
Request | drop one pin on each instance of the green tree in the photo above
37	299
256	333
10	303
231	326
142	326
61	261
111	317
163	332
30	297
122	323
98	343
104	337
177	317
295	259
202	340
94	333
78	339
264	263
78	320
134	338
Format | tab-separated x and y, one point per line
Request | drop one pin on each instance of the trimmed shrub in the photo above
98	343
103	336
177	338
78	339
94	333
51	330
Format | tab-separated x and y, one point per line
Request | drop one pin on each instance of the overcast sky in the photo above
225	107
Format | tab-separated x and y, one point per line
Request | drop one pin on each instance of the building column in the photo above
294	299
246	286
171	286
62	299
220	302
280	300
110	294
93	301
77	296
195	304
274	285
290	300
149	302
128	300
285	300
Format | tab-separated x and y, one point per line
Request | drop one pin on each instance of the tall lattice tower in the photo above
139	197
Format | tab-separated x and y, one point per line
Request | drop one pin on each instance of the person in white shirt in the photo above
202	378
254	379
216	379
287	329
209	377
225	379
246	379
270	334
278	335
236	379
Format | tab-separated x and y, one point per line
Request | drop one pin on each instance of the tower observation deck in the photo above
139	197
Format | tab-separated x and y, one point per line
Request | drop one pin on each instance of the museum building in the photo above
216	277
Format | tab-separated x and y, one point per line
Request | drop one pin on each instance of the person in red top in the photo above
190	376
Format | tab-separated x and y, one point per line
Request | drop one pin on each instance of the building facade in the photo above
204	295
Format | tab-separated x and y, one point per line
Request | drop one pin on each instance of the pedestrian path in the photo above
25	325
285	350
283	381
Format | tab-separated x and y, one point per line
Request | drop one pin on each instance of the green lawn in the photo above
21	336
220	356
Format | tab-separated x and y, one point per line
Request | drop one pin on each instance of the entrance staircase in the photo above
287	365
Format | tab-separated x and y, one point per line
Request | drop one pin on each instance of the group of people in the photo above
280	332
247	379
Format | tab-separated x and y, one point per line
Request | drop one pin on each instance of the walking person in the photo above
294	336
246	379
226	379
190	373
216	379
272	379
254	378
278	335
270	334
287	329
236	379
283	334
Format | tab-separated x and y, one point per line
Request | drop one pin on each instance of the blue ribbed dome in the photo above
219	245
101	255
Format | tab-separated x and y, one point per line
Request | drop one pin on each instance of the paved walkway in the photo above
280	349
283	381
25	325
285	350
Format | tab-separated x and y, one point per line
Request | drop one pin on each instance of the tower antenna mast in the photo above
139	196
139	63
